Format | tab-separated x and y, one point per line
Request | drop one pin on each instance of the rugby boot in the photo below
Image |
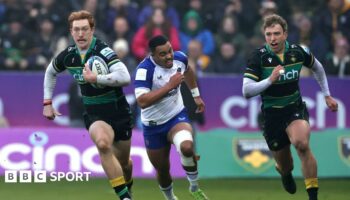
199	195
289	183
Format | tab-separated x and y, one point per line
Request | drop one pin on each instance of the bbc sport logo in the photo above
39	176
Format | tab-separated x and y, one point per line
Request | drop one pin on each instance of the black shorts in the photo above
276	121
117	114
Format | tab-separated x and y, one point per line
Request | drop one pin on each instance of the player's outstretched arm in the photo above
320	76
331	103
49	85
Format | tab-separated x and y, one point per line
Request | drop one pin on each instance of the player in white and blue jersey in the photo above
163	115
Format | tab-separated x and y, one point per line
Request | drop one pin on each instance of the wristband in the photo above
195	92
47	102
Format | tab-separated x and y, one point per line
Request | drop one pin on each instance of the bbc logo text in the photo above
40	176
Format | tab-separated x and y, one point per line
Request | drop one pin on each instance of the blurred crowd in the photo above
217	35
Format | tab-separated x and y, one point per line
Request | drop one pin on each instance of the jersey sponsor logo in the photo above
290	75
107	52
141	74
344	148
78	77
252	154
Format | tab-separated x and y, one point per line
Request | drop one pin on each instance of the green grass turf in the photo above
147	189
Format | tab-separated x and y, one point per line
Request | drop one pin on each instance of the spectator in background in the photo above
3	8
229	32
121	47
96	8
122	9
121	30
338	62
192	29
157	24
304	34
204	8
49	9
266	8
47	43
245	12
18	50
196	58
147	11
334	18
228	61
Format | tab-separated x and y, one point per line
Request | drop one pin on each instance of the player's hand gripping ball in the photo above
99	67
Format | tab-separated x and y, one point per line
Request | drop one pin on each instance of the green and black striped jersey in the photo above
73	61
285	91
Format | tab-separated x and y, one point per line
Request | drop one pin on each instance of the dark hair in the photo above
275	19
157	41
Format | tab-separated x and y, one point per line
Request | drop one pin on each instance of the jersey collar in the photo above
93	42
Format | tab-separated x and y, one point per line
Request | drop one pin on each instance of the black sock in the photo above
312	193
129	184
122	191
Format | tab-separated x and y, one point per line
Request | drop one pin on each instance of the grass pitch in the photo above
147	189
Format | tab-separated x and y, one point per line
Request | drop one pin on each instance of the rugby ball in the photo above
99	67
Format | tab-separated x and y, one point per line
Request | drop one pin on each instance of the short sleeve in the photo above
181	56
309	58
253	69
58	62
143	77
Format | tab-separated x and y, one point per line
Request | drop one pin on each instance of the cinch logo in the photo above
294	74
27	176
79	77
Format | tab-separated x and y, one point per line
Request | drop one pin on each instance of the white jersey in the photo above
150	76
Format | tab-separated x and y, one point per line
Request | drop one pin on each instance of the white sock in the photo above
192	177
168	192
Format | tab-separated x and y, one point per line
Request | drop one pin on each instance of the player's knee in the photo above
183	142
301	146
103	145
186	148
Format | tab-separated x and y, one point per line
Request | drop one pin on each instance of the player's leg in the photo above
122	152
284	165
181	136
274	125
102	135
160	161
299	134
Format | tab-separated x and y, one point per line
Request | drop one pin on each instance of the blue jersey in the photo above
150	76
